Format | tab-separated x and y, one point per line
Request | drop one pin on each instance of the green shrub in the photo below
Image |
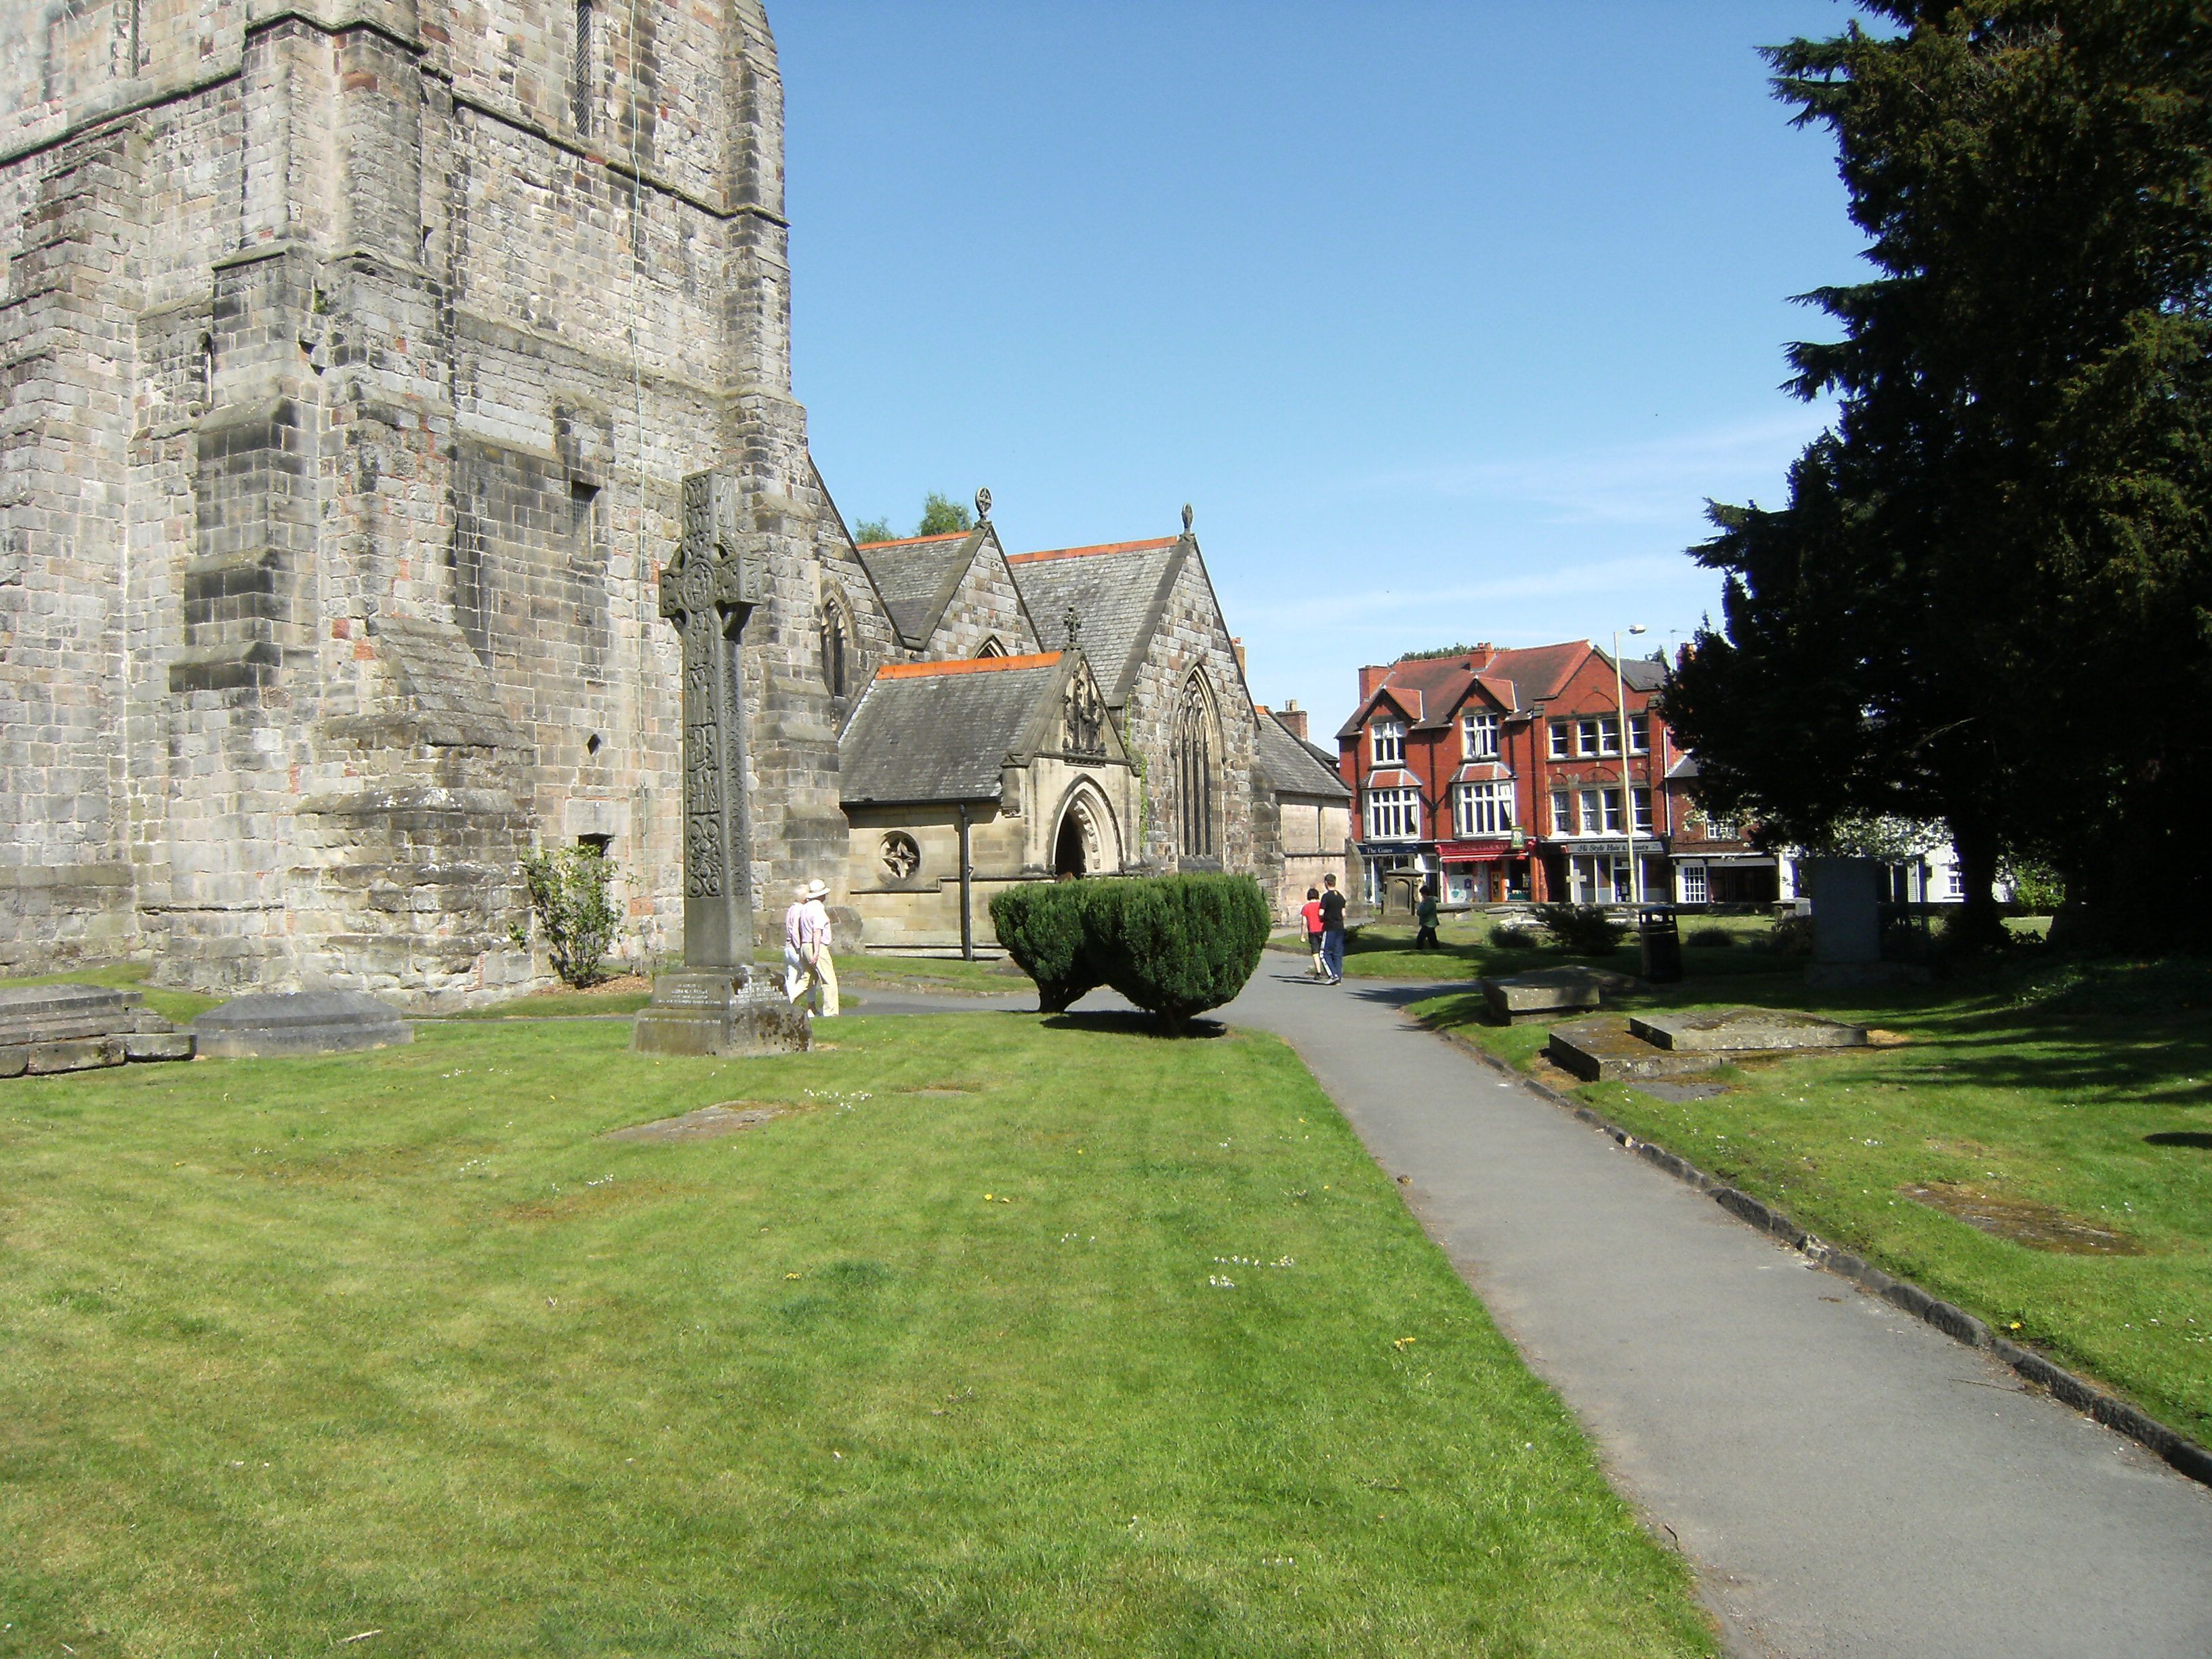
1045	927
1791	936
1588	930
1174	945
1181	945
1715	936
1515	936
568	895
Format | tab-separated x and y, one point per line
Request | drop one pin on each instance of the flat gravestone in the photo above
1744	1030
1547	992
299	1023
47	1029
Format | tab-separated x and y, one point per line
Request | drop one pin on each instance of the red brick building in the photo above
1498	775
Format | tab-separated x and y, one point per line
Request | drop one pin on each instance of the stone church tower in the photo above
355	352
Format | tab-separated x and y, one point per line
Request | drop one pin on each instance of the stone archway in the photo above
1088	842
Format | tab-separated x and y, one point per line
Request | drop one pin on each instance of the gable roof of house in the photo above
1117	591
1292	766
918	575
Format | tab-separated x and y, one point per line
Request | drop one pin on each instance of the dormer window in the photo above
1390	741
1481	731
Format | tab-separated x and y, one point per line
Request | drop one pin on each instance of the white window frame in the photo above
1639	734
1640	804
1393	733
1393	814
1479	731
1562	808
1563	739
1483	808
1589	735
1696	889
1600	812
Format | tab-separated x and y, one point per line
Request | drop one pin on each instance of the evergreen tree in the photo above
1988	596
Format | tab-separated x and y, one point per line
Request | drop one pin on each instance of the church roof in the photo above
1293	767
1117	591
918	576
941	731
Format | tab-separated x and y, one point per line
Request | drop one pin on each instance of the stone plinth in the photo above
1604	1051
299	1023
715	1011
1744	1030
1548	992
45	1029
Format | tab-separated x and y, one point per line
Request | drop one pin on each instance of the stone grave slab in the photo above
1744	1030
1603	1049
267	1023
1546	993
49	1029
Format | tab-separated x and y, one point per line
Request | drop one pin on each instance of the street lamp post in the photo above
1627	796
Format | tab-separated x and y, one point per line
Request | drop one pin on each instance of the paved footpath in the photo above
1849	1483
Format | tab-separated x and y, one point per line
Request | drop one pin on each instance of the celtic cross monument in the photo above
718	1003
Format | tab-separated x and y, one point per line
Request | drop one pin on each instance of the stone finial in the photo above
1187	516
983	505
1074	624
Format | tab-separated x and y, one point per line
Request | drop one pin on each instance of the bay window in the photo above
1484	809
1393	815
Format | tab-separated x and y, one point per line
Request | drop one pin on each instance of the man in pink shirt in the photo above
809	971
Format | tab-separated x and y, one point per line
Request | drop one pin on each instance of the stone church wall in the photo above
985	606
1191	637
350	394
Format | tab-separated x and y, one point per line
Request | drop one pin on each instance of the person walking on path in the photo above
1331	932
794	961
1310	913
1426	915
819	986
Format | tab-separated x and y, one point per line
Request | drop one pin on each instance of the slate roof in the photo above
1116	589
918	576
1293	767
940	731
1432	688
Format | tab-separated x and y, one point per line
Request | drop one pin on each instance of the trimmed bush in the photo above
1587	930
1791	936
1045	927
1712	936
1174	945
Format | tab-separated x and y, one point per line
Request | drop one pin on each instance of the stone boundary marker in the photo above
2185	1455
49	1028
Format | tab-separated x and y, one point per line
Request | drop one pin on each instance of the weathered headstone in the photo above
1846	895
718	1003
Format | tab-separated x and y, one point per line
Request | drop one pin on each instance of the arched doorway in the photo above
1070	857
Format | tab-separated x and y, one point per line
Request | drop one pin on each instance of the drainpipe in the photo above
967	889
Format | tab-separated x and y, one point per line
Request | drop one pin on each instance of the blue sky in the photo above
1445	317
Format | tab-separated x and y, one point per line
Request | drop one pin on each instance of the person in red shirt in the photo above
1311	915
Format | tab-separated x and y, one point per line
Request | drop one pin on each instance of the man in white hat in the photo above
806	928
794	960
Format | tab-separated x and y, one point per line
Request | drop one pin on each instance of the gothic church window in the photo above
1191	750
579	71
835	648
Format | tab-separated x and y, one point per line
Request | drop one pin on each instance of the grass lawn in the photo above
630	992
2085	1089
1384	949
965	1353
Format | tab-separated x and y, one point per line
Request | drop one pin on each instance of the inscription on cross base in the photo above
707	590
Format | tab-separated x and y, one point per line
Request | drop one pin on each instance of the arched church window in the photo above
836	652
1191	752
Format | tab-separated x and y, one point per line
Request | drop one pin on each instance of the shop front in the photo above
1489	870
1597	871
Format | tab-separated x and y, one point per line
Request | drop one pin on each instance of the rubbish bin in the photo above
1662	942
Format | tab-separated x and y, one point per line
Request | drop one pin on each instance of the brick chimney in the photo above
1293	719
1369	678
